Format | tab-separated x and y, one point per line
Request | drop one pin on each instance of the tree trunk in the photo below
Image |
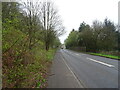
47	47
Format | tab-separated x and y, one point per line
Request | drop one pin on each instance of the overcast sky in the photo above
74	12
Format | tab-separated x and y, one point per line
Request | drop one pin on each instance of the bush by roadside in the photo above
31	74
21	67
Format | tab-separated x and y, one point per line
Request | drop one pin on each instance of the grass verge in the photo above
108	56
115	55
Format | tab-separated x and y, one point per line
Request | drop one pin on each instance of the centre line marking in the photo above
101	62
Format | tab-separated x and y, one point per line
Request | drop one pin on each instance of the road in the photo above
77	70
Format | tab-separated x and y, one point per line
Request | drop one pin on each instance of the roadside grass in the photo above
110	54
104	55
50	54
36	71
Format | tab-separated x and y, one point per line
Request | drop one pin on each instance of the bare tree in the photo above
42	14
51	23
97	28
31	11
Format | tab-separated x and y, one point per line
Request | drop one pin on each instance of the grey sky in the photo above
74	12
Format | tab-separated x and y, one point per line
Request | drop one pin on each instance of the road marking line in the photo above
77	54
101	62
73	73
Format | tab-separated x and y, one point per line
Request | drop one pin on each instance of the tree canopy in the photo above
100	36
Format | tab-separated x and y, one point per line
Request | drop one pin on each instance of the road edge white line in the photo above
103	63
73	74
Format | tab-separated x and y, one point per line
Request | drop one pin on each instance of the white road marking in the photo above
77	54
73	73
101	62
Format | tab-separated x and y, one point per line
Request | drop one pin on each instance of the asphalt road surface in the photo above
77	70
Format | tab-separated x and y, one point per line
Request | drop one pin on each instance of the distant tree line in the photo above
100	36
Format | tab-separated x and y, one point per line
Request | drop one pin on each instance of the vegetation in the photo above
109	56
28	44
97	38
